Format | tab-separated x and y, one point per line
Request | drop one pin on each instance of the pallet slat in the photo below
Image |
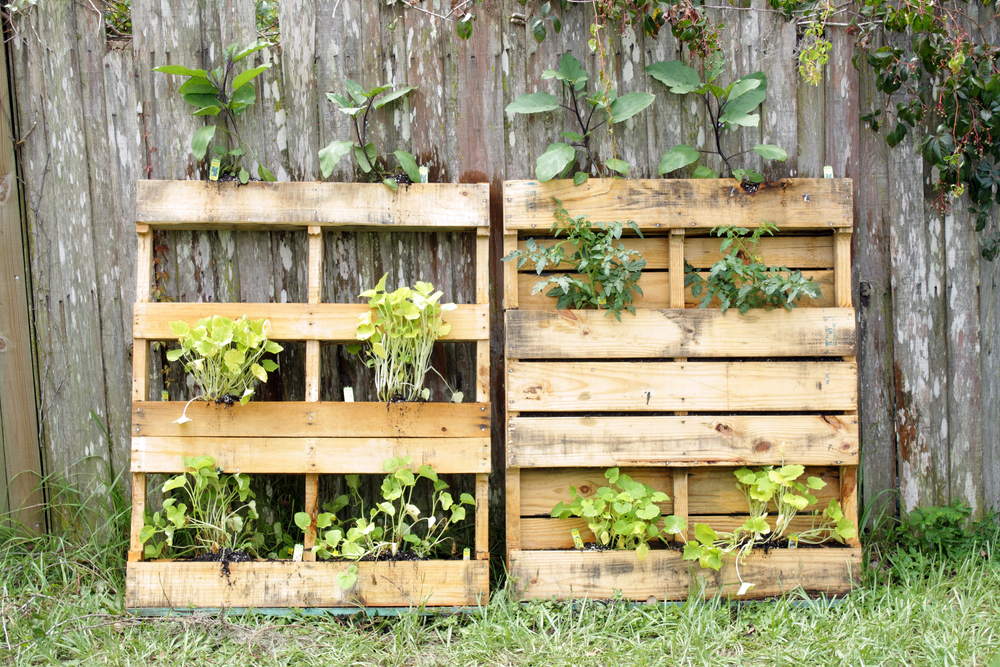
672	204
332	322
576	334
258	584
289	206
312	420
605	386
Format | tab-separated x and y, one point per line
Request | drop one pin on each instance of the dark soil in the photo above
749	186
228	400
389	558
229	178
401	178
225	557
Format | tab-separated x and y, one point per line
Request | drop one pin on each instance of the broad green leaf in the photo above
701	171
356	92
198	86
642	551
265	173
243	97
463	28
200	101
201	140
174	355
331	155
394	95
620	166
249	75
675	75
269	365
258	372
677	157
339	100
579	178
409	165
183	71
303	520
391	184
742	86
743	105
244	176
533	103
570	70
572	136
365	158
207	111
538	29
629	105
769	152
180	328
556	158
741	119
252	47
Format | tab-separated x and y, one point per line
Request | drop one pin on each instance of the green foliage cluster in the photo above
360	104
224	355
559	158
225	95
623	515
400	331
728	108
208	511
940	537
395	525
741	280
608	271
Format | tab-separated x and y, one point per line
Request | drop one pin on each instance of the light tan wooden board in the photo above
286	206
794	252
711	491
665	576
606	386
296	321
312	455
656	292
684	440
312	420
665	204
672	332
180	585
548	533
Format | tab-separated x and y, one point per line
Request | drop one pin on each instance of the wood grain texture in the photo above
695	332
575	386
312	420
665	576
275	206
673	204
135	550
287	584
297	321
309	455
691	440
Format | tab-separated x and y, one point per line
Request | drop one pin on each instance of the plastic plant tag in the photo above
183	419
424	171
165	395
793	541
577	540
297	554
348	394
827	171
466	553
213	173
744	587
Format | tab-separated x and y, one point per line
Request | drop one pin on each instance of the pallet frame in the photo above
311	437
565	362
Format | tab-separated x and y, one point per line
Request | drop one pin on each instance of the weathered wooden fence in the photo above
92	119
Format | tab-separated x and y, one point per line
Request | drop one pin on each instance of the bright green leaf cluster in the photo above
608	272
224	355
226	95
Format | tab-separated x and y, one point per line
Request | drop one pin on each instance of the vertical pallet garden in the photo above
676	395
308	438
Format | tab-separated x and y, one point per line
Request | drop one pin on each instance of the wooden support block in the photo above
513	506
676	268
681	498
482	516
144	263
135	548
140	370
842	268
312	370
849	499
482	371
510	291
312	509
315	264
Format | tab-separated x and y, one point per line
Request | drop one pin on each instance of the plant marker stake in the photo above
213	173
348	394
577	541
465	553
297	554
827	171
184	419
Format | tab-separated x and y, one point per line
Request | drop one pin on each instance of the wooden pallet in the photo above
308	438
677	395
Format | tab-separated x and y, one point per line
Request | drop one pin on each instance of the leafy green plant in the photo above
209	511
400	331
559	157
935	531
224	357
224	95
623	515
741	280
609	273
392	526
728	108
360	104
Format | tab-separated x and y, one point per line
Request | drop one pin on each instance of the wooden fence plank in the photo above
657	386
673	204
569	334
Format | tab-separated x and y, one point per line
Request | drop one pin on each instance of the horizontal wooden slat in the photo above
312	420
794	252
690	440
606	386
296	321
656	292
548	533
312	455
670	204
710	490
288	584
665	576
689	332
276	206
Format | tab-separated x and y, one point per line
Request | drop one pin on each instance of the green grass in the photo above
62	604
